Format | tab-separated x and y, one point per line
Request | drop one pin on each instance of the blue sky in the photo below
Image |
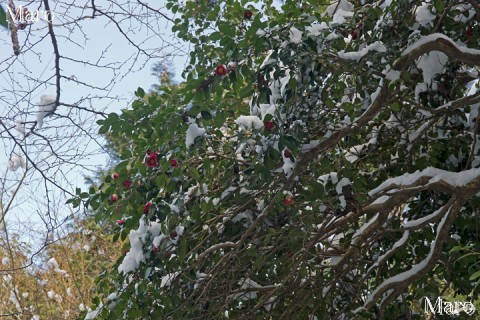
25	78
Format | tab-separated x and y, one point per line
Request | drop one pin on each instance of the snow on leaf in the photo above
193	132
357	55
249	122
424	16
295	35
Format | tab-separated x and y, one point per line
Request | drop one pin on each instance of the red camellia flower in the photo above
173	163
127	183
152	160
269	125
221	70
248	14
116	176
289	201
120	222
147	206
113	197
354	34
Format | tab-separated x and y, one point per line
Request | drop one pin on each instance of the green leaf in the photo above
206	115
140	93
395	106
245	92
3	18
439	5
475	275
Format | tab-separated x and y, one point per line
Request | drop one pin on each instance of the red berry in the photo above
221	70
269	125
120	222
147	206
127	184
287	153
125	252
173	163
469	32
113	197
354	34
248	14
154	249
289	201
116	176
174	234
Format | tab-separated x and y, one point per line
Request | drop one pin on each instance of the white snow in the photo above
288	165
46	107
455	179
167	279
381	200
16	161
400	242
364	227
193	132
20	127
52	263
434	36
249	122
339	188
246	284
354	152
343	5
135	256
51	294
15	301
339	11
401	277
315	29
357	55
309	146
424	16
425	219
92	314
295	35
431	64
5	261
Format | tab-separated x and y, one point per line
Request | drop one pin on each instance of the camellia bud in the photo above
269	125
289	201
147	206
221	70
248	14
